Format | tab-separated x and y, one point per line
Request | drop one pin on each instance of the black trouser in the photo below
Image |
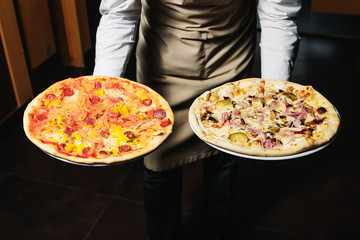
162	199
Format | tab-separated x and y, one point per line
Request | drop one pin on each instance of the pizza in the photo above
264	117
94	119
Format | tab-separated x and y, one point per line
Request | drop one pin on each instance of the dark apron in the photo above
185	48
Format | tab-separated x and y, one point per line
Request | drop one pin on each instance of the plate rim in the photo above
90	164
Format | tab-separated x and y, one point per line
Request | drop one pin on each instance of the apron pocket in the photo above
177	53
184	57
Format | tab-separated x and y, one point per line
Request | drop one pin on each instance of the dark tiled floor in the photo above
315	197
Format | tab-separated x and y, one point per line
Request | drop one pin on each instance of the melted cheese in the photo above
122	109
99	92
77	123
53	103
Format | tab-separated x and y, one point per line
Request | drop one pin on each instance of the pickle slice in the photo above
238	137
290	95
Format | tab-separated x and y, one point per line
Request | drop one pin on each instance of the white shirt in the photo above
117	31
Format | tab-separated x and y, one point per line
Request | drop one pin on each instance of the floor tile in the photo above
316	196
2	176
193	187
326	209
248	233
100	179
34	210
192	200
121	220
133	186
14	146
256	233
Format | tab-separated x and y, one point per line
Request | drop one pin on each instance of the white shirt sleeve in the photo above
279	37
115	36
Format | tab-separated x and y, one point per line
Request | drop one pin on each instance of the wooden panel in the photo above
75	28
7	96
59	30
72	33
14	52
336	6
35	21
83	24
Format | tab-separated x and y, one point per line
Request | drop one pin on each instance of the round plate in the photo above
286	157
90	164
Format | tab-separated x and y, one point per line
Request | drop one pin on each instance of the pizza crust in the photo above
131	155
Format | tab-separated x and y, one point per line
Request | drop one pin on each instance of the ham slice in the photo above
255	132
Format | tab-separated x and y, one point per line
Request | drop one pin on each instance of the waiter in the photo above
186	47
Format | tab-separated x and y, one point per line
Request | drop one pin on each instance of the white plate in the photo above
286	157
89	164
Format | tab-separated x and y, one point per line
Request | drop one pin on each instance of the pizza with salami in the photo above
94	119
264	117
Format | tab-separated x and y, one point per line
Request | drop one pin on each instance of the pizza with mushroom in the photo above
93	119
264	117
